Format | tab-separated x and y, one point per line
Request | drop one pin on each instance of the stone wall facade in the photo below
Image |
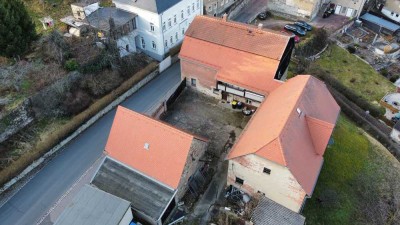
307	9
193	163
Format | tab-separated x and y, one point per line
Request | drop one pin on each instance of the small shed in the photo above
379	25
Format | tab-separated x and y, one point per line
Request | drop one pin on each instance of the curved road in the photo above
35	198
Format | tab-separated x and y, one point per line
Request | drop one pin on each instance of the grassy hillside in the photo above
358	183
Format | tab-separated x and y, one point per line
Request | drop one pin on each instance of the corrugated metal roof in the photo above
145	194
380	22
156	6
92	206
269	212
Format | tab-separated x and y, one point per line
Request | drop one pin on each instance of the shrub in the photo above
394	78
71	65
384	72
351	49
313	46
76	102
302	65
328	198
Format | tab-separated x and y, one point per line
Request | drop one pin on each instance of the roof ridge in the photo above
243	26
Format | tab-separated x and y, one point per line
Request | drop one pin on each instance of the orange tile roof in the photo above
168	146
243	69
278	133
244	55
240	36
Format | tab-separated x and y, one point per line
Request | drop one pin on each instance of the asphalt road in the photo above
46	187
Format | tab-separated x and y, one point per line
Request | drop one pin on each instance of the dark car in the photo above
304	25
262	16
295	29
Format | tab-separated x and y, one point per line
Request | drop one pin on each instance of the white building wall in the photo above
158	36
127	218
280	185
126	44
391	14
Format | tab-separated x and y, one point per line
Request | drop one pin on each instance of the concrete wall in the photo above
123	42
280	185
392	10
216	7
127	218
298	8
349	8
197	150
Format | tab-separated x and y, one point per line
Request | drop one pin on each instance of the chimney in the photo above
260	26
146	146
225	17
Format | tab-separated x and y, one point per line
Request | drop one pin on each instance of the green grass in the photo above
355	74
56	9
352	155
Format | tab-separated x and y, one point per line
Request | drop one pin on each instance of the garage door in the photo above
338	8
349	12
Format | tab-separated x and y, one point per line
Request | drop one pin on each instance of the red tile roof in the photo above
167	152
240	36
278	132
242	59
242	69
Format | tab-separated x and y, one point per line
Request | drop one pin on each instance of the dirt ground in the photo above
207	117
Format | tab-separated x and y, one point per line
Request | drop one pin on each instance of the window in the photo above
169	22
182	15
163	26
170	40
215	5
198	4
266	170
143	43
183	31
209	8
239	181
174	19
248	101
176	36
397	15
188	10
193	82
344	10
192	7
166	43
152	27
153	44
127	48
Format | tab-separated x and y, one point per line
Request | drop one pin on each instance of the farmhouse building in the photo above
150	164
280	152
234	61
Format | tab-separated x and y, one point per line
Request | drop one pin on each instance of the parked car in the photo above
329	11
296	38
295	29
262	16
304	25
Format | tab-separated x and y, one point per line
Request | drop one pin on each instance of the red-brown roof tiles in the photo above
168	147
278	132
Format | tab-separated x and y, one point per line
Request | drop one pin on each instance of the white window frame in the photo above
152	27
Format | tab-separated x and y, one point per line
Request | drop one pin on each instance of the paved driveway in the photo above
30	203
250	11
